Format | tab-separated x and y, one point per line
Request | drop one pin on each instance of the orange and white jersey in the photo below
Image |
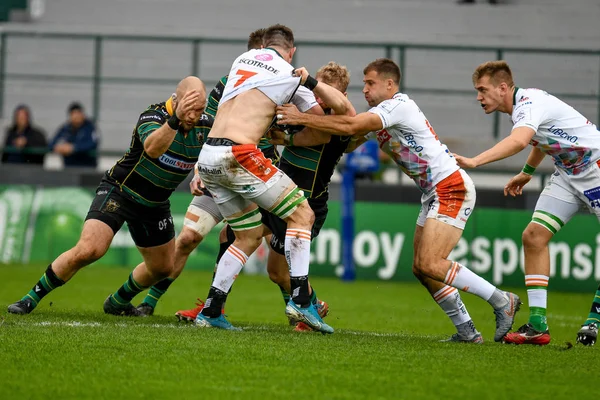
412	143
560	130
265	70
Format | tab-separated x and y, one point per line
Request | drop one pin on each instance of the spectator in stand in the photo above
77	139
24	143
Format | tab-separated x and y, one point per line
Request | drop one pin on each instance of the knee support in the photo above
199	220
548	221
288	205
250	220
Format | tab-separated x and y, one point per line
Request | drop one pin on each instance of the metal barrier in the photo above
397	51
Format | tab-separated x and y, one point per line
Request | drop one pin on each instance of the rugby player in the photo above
403	132
202	214
164	147
240	178
551	127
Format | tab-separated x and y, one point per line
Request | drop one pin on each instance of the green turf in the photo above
385	346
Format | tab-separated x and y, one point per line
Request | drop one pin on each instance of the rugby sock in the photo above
297	254
448	298
222	249
214	303
285	294
228	269
157	291
47	283
313	296
127	292
594	315
537	294
300	296
464	279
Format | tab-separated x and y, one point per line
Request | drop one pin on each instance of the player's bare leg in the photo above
447	297
537	271
157	265
430	261
249	232
93	243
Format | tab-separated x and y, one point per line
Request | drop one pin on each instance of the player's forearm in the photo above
333	124
355	143
506	148
157	143
335	99
310	137
535	157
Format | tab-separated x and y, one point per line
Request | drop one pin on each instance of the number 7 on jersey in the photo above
243	76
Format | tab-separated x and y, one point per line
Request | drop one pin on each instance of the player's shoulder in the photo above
154	113
530	97
399	102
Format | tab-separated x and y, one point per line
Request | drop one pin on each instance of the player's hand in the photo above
196	186
186	103
302	73
465	162
288	114
276	136
514	187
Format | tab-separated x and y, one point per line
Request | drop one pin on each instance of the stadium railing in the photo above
397	51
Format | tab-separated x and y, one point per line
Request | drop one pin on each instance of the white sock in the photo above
297	251
464	279
449	300
229	267
537	290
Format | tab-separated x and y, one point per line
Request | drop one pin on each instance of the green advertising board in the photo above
37	224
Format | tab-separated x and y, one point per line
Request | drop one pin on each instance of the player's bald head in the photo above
190	83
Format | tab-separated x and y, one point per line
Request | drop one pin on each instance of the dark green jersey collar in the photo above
515	96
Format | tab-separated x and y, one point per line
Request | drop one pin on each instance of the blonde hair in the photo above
335	74
498	71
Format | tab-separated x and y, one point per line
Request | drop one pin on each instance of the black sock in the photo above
214	302
285	294
313	296
299	286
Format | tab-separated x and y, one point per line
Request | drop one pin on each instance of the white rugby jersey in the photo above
410	140
265	70
560	131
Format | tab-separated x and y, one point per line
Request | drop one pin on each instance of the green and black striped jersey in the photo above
311	168
213	104
150	181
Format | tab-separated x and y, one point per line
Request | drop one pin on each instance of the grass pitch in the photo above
386	346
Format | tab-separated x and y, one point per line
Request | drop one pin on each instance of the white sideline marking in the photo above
556	320
77	324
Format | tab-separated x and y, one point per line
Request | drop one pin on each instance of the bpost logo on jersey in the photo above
562	134
173	162
411	142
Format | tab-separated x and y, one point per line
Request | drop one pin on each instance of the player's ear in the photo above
292	52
